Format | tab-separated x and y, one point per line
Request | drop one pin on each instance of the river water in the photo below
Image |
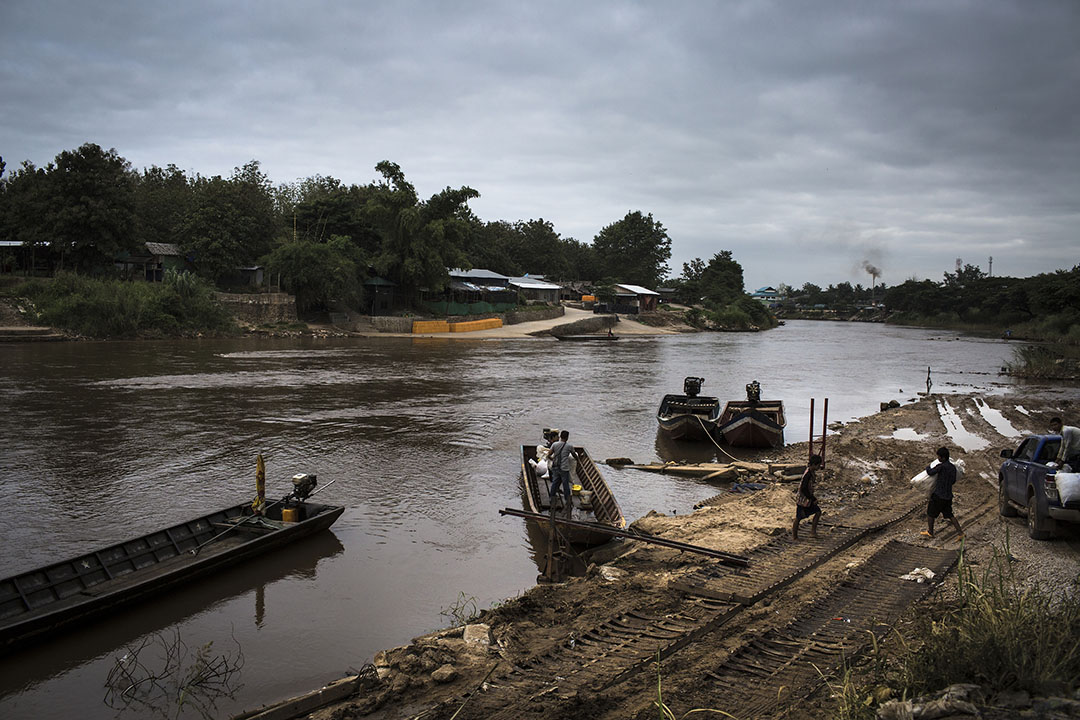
105	441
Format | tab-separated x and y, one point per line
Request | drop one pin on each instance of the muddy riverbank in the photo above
866	484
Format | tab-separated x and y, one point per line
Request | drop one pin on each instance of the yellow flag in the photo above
260	485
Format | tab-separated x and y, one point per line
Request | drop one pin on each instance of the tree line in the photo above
323	237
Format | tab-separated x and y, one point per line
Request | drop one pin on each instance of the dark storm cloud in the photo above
805	137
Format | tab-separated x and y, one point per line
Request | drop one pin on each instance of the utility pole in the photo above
990	272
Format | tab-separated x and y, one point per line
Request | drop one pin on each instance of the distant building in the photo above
152	264
766	295
536	289
480	278
634	299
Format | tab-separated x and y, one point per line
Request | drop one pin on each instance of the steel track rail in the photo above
788	664
623	646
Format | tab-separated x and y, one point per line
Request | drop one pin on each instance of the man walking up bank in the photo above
940	503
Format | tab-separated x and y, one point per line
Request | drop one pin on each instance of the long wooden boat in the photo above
38	603
587	338
605	509
689	416
747	423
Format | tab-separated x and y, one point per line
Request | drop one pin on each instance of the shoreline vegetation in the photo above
184	305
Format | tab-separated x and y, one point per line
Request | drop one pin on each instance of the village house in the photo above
634	299
536	289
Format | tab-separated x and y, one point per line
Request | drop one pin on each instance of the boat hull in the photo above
745	424
684	417
587	338
39	603
605	511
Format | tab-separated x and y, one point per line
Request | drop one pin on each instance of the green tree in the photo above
420	240
232	223
163	198
963	277
492	246
320	274
25	199
323	207
92	206
721	281
635	250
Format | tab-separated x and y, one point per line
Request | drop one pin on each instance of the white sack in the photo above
1068	485
925	483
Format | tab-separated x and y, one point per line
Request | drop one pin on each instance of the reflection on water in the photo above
83	653
104	441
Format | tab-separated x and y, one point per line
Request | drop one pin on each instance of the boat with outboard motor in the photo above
38	603
689	416
753	422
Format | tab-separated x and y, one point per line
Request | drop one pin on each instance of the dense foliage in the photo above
182	304
321	238
1042	306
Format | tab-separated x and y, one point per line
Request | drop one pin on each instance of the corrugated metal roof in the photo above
477	274
162	248
637	289
533	284
464	286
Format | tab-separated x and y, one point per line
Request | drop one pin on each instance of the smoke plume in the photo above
873	270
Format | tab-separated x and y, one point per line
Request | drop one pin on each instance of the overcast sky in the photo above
806	137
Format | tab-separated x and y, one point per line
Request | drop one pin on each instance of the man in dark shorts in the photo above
559	463
806	501
940	503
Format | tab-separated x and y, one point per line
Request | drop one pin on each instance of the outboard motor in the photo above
753	392
303	485
692	386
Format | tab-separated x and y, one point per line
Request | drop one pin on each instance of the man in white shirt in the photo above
1069	452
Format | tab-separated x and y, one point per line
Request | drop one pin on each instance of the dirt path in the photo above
587	647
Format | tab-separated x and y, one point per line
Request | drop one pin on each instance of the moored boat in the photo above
38	603
689	416
753	422
587	338
599	507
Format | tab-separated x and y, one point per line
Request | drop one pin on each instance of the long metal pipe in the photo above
726	558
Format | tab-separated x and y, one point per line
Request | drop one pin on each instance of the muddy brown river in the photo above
102	441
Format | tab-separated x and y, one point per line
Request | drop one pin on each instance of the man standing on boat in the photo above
559	464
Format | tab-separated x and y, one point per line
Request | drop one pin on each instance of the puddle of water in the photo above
1020	409
954	427
905	434
996	419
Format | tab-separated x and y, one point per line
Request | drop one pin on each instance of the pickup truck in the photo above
1026	484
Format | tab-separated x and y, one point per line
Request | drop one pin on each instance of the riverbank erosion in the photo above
782	636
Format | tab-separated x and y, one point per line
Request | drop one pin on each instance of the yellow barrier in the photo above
588	298
472	325
430	326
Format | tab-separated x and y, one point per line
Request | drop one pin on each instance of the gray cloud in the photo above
805	137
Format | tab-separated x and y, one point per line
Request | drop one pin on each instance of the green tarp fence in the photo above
477	308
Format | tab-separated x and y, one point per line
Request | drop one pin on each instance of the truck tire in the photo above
1038	526
1005	509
